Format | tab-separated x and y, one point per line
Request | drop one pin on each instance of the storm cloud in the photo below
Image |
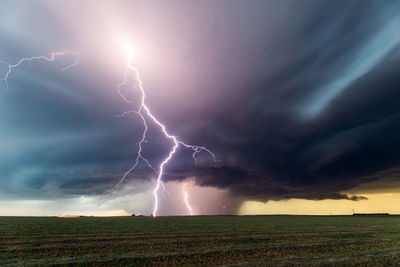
298	99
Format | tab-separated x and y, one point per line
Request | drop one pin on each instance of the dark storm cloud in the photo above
353	138
299	99
326	122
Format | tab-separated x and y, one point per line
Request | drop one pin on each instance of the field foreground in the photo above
201	240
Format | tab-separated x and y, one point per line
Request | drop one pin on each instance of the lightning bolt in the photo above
51	58
185	195
144	111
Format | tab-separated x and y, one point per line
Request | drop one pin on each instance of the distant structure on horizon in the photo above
371	214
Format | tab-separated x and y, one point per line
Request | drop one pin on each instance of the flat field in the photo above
201	240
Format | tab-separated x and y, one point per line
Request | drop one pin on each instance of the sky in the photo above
299	101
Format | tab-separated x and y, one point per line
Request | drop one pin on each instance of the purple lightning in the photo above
52	57
141	112
186	198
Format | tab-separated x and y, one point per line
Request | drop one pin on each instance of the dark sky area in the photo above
298	99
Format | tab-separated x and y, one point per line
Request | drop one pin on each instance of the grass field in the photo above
201	240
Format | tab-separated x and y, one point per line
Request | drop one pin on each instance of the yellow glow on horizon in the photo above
376	203
100	213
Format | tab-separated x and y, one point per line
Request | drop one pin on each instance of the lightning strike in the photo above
185	195
51	58
142	112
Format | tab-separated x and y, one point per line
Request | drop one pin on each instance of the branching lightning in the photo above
52	57
143	112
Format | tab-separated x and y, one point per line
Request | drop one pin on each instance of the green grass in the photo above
201	240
